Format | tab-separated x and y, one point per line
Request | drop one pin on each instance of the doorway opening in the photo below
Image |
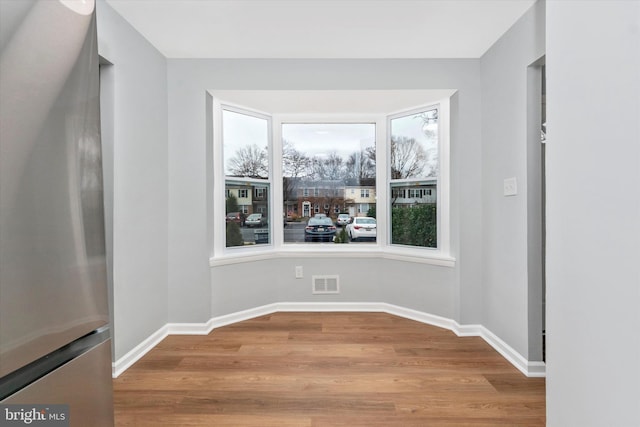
536	195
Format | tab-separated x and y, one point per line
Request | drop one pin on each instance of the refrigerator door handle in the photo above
37	369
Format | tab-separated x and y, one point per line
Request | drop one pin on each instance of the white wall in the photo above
198	293
593	213
504	155
138	178
422	287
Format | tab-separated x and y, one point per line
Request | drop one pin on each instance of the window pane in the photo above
246	145
247	213
414	146
246	163
414	214
414	173
328	169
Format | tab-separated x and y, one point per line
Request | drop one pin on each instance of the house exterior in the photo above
360	199
251	197
260	200
411	194
243	194
307	198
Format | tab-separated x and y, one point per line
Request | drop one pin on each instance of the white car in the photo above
343	219
362	228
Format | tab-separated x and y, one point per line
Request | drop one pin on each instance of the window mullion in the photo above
277	196
218	180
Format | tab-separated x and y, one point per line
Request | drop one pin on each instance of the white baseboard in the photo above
530	369
122	364
419	316
239	316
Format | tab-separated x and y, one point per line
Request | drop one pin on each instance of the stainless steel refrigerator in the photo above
54	318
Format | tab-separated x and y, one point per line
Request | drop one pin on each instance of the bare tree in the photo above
432	164
250	161
295	163
361	165
331	168
430	118
295	167
371	155
408	158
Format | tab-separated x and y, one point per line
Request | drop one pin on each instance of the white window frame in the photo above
379	121
442	189
219	182
382	248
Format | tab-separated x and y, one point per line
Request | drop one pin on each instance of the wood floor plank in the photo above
327	369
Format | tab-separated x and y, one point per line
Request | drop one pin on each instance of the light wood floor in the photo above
327	369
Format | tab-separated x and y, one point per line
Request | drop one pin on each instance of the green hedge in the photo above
372	211
234	235
415	226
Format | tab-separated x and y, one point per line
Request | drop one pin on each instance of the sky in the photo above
241	130
316	139
321	139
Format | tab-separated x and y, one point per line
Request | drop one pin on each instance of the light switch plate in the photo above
510	186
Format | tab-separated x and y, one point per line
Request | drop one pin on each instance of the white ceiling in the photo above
322	28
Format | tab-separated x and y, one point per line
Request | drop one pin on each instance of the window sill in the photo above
303	251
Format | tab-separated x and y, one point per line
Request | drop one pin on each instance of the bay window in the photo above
281	172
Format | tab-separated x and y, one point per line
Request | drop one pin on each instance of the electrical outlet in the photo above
299	274
510	187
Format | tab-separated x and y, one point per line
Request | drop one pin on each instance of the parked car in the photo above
343	219
362	228
319	229
237	217
255	220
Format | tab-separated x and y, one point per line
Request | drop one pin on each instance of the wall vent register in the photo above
326	284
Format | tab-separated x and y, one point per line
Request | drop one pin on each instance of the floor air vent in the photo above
326	284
